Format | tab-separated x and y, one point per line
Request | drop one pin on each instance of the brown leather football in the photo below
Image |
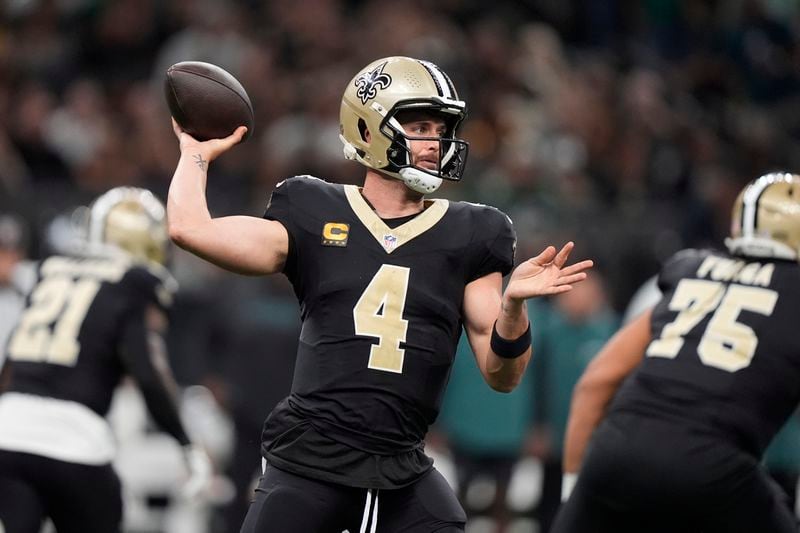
206	100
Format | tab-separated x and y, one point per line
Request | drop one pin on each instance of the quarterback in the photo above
386	279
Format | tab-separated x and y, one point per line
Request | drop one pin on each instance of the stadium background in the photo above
627	126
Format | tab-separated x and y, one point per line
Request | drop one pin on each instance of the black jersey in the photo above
725	356
68	340
381	314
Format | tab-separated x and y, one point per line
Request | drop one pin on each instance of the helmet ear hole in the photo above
363	130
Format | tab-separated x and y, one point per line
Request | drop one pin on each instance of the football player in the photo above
91	319
712	374
385	279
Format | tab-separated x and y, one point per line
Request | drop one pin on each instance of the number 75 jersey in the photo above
725	353
381	306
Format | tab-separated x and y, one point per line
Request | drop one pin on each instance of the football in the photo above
206	101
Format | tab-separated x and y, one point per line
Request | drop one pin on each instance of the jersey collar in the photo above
390	239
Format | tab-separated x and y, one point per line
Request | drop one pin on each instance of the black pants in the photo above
649	475
77	498
286	503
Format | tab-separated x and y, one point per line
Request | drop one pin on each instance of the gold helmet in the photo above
131	219
372	101
766	218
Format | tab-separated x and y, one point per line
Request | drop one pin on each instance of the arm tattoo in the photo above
200	162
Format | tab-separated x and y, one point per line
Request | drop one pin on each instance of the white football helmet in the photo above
372	101
766	218
132	220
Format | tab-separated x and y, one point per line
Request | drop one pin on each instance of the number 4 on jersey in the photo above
379	313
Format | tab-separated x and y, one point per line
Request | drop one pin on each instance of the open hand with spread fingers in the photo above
546	274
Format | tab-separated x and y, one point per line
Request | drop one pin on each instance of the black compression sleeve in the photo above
139	353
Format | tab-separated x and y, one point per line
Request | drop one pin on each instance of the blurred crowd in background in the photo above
626	126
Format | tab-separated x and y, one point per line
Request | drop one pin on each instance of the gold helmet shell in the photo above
371	102
132	220
765	221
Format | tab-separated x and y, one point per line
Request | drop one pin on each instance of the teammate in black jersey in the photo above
714	371
90	319
385	279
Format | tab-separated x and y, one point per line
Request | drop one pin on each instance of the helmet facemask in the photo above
452	151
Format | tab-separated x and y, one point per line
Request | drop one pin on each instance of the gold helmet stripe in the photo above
440	79
98	213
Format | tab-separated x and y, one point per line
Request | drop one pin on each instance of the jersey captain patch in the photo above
335	234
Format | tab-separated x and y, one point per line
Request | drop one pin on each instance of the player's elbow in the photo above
505	388
585	385
506	375
504	384
591	387
178	234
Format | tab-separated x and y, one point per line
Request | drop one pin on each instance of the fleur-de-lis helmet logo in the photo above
369	83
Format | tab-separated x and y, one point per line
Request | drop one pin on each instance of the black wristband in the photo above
510	349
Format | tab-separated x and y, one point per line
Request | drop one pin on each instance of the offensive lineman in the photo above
714	370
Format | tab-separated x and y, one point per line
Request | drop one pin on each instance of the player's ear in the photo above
363	131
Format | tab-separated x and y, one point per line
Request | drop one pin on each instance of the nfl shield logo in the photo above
389	242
